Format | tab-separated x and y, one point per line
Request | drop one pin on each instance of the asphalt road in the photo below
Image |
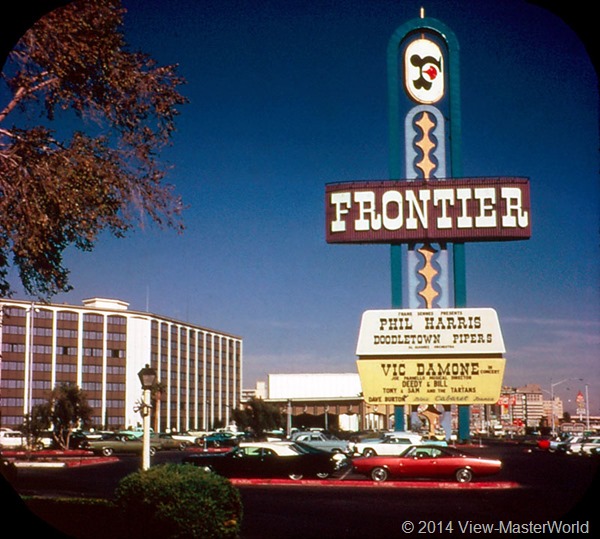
534	489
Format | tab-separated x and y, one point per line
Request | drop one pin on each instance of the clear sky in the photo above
286	96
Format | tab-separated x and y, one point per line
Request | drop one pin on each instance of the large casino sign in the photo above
428	352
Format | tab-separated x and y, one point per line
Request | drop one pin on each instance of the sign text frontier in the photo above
475	209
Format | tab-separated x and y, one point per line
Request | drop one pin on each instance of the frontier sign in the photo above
401	211
430	356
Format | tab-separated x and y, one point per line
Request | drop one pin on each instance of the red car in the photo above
427	461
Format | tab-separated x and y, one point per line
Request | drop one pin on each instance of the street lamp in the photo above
587	409
147	377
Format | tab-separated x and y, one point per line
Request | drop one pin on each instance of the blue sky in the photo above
286	96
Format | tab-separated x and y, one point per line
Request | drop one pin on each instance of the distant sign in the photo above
394	211
414	332
431	381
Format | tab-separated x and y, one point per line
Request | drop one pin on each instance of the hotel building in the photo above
101	346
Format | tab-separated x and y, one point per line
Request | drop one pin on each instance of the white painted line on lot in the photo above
22	464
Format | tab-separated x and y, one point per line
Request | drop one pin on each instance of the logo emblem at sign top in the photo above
424	71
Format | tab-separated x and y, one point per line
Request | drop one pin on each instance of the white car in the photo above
12	439
388	445
562	443
191	437
585	446
322	440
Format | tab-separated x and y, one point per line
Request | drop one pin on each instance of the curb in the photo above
340	483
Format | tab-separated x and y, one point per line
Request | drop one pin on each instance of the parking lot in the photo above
534	486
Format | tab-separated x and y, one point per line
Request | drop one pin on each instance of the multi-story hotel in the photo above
101	346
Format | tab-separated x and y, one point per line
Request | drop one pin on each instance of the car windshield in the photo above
420	451
391	440
271	449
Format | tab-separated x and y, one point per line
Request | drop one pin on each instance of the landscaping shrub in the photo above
178	501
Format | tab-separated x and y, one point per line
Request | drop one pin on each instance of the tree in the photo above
258	416
21	17
102	173
67	410
34	425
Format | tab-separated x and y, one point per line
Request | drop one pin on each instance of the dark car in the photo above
427	461
266	459
219	439
109	444
166	441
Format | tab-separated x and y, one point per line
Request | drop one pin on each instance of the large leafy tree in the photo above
82	122
258	416
67	410
21	17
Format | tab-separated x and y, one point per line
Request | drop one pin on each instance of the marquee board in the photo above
414	332
460	380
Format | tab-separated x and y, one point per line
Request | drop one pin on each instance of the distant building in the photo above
100	347
330	401
529	406
525	406
259	392
554	407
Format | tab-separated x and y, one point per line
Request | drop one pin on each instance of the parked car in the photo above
388	445
44	440
557	444
109	444
340	460
584	446
219	439
322	440
266	459
191	437
427	461
12	439
168	441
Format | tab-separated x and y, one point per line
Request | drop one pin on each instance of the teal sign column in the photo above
425	133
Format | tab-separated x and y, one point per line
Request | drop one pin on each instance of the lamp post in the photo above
587	409
147	377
